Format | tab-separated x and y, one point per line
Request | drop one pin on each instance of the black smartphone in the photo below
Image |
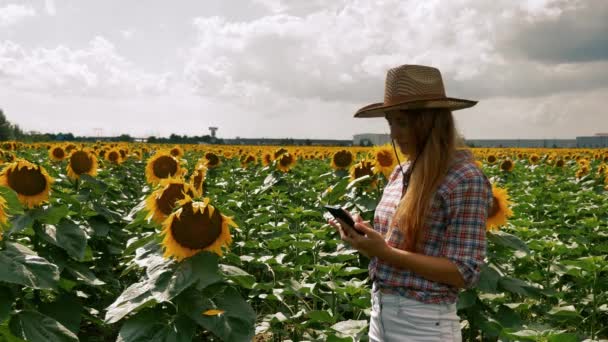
339	212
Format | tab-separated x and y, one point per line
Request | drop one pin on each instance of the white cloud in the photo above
50	7
12	14
96	70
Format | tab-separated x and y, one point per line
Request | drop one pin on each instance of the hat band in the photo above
395	100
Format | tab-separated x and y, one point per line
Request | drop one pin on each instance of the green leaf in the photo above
146	327
101	226
52	214
235	324
66	309
564	312
518	286
83	273
488	279
350	328
563	337
19	223
321	316
466	299
239	276
135	297
67	235
13	205
507	317
20	265
36	327
6	302
507	240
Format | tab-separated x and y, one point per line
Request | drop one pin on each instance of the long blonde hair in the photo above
435	139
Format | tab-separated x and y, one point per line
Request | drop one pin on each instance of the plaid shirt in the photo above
455	229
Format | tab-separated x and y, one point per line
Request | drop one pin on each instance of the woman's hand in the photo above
371	243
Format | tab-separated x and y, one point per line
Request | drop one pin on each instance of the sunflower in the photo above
212	160
534	158
341	160
161	202
160	166
31	182
385	160
277	153
266	159
500	211
491	159
82	162
195	227
286	162
198	178
559	163
582	171
248	160
507	165
57	153
177	152
3	215
114	156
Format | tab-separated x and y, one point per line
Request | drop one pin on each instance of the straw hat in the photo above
413	87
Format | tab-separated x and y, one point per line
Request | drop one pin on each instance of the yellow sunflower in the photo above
286	162
212	160
363	168
114	156
197	178
3	215
57	153
82	162
31	182
559	163
534	158
177	152
160	166
507	165
161	202
491	159
341	160
582	171
278	152
266	159
195	227
248	160
500	211
385	160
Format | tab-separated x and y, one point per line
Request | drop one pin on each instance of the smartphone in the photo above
343	215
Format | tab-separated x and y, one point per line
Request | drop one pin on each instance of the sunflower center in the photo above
196	230
175	152
363	169
58	153
343	158
27	182
81	162
164	166
495	207
113	156
212	159
285	159
172	194
385	158
506	165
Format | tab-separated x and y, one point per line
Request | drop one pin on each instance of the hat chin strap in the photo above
407	175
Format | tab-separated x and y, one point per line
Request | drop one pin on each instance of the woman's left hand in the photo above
371	244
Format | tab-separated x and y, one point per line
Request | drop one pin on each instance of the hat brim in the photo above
376	110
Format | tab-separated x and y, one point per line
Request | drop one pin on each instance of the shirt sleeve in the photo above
466	231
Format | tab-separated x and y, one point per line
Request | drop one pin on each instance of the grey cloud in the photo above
579	34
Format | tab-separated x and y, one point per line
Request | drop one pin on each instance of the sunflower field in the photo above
144	242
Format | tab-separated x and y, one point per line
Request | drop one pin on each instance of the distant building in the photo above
371	139
598	140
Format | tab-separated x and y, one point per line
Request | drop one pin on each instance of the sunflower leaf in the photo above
145	326
20	265
135	297
34	326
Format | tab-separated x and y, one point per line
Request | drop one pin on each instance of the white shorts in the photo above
397	318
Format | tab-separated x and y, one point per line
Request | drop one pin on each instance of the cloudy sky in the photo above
295	68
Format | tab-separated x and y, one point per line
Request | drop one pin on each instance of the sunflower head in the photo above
177	152
31	182
507	165
114	156
197	178
491	159
212	160
500	210
161	202
582	171
559	163
195	227
278	152
57	153
248	160
266	159
341	160
286	162
160	166
385	160
82	162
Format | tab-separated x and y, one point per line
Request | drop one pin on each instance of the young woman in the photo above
428	236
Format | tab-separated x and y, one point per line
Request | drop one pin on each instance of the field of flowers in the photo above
141	242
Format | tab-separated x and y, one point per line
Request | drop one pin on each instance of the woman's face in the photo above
399	126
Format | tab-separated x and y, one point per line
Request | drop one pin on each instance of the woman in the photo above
428	236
